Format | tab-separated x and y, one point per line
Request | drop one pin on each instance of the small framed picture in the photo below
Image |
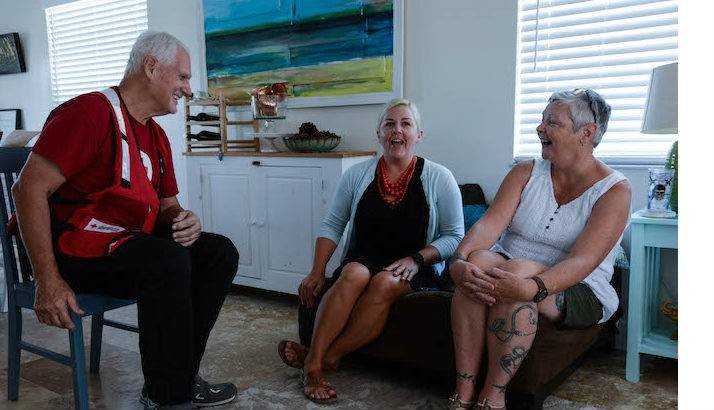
10	120
12	59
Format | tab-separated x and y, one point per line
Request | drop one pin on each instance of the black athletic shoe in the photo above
150	405
206	395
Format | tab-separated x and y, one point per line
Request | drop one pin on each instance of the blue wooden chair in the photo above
21	294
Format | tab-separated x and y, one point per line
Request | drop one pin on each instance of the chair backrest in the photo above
17	264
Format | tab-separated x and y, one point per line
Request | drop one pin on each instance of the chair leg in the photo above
79	377
95	349
13	352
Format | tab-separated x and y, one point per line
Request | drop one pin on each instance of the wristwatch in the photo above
456	257
542	290
418	258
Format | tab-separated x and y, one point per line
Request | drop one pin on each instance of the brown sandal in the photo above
299	361
315	384
485	405
455	403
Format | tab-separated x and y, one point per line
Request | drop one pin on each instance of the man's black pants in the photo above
179	292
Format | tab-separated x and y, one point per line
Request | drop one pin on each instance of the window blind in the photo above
89	43
610	46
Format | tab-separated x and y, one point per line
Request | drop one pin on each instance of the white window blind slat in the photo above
530	6
123	37
610	46
89	43
93	29
592	9
614	96
619	48
111	51
585	73
604	61
604	13
71	13
63	22
67	78
593	39
598	27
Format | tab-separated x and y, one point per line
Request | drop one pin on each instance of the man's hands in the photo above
310	287
185	225
186	228
53	299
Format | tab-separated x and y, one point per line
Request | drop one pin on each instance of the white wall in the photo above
459	68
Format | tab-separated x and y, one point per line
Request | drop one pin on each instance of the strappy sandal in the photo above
299	361
485	405
315	384
455	403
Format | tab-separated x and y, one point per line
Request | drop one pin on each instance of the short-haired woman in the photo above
546	246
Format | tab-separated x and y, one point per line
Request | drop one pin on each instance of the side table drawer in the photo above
660	236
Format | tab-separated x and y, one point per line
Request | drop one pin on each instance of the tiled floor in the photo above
242	349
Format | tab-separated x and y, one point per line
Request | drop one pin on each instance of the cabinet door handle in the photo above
256	163
261	223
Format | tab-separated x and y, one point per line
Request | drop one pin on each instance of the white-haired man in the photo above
97	210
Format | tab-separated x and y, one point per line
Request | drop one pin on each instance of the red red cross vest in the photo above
107	218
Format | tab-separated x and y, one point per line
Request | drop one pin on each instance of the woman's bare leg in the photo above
511	329
332	314
368	316
468	323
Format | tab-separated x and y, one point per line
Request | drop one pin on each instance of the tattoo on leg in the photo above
510	361
496	327
501	389
560	302
468	377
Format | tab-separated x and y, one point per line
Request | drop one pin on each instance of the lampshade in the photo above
661	109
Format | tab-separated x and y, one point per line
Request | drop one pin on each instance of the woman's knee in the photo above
384	286
485	258
525	268
354	276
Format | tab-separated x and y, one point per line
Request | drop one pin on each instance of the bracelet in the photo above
456	257
418	258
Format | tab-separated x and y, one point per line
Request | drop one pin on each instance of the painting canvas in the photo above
329	52
11	58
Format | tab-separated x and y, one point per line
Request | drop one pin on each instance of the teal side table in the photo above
649	236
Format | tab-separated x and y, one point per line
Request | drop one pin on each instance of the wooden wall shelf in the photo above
223	145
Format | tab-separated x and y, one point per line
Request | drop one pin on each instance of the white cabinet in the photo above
270	205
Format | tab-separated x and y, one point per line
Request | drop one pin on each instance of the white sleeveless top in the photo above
544	232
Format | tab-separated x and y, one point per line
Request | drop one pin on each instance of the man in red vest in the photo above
97	210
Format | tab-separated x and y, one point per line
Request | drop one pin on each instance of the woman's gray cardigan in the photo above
446	217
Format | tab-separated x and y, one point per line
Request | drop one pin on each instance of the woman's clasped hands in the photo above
490	286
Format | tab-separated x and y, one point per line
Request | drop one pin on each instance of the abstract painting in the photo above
11	59
329	52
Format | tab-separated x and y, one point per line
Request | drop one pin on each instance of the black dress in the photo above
384	234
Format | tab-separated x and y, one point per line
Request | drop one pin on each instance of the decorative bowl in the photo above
302	143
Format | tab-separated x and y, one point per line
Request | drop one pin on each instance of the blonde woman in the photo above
406	218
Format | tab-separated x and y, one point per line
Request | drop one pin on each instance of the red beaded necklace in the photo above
397	189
